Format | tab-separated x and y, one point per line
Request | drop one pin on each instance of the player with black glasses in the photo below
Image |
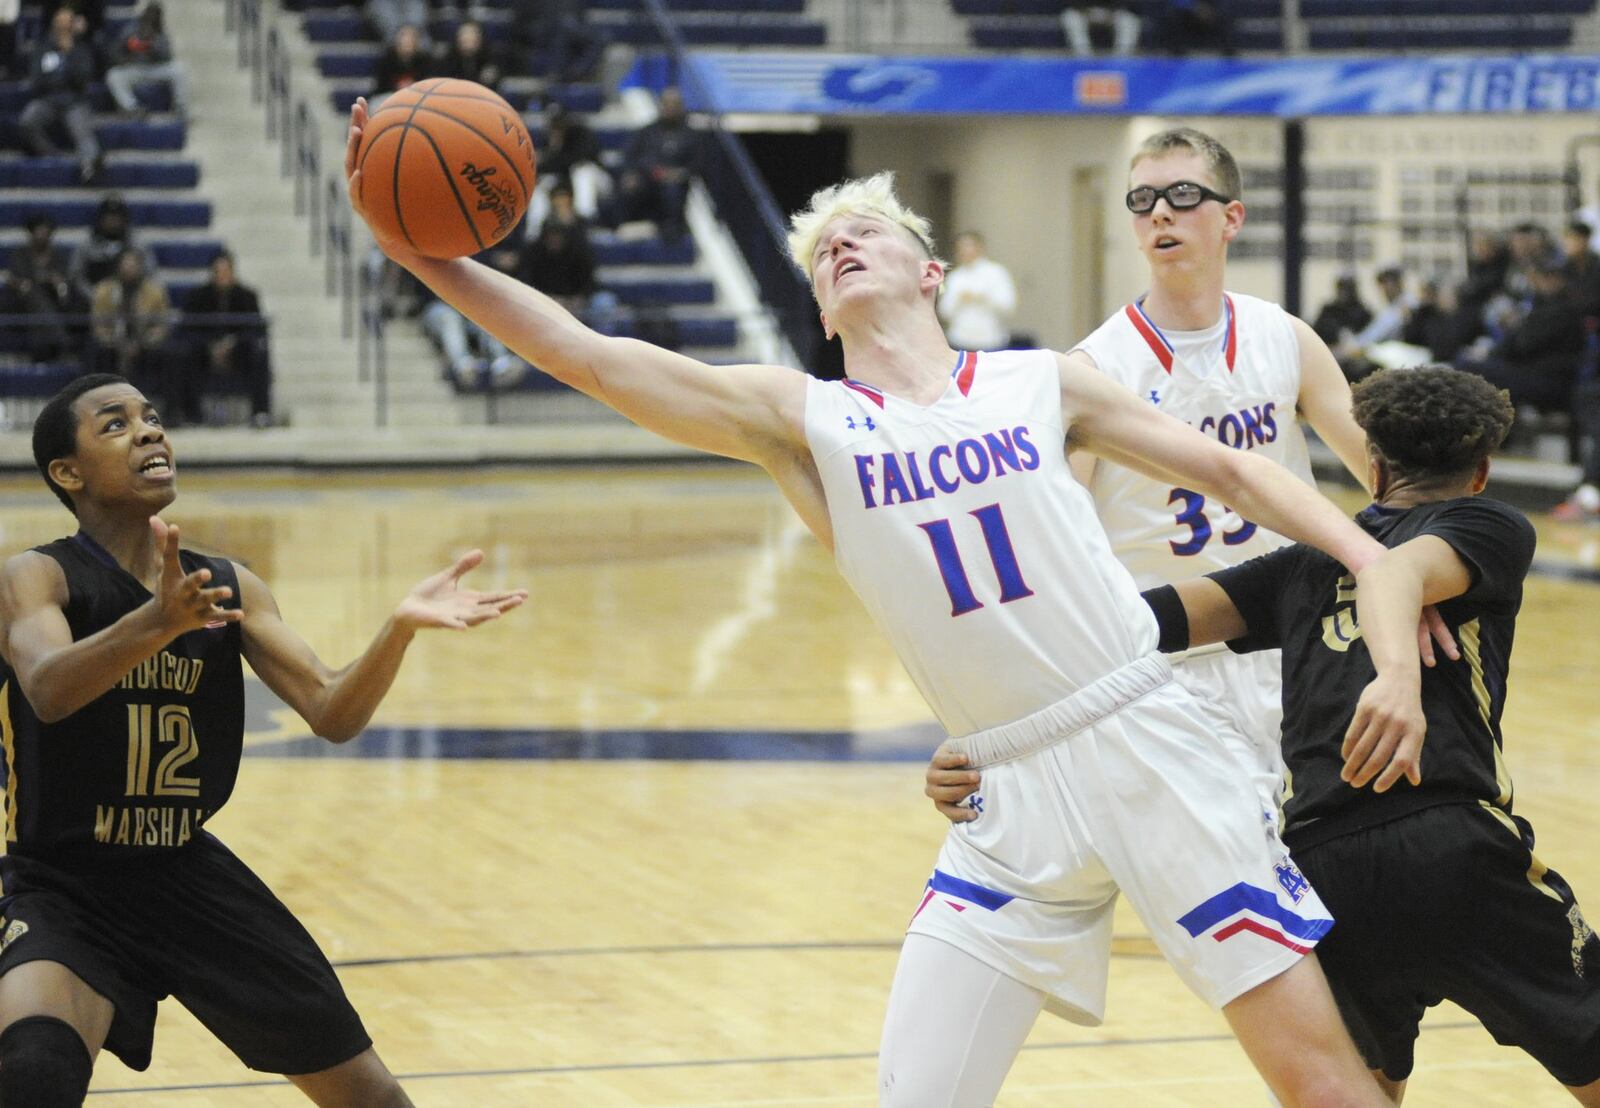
1180	194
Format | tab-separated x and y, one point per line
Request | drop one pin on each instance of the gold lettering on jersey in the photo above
1340	630
1581	934
146	826
174	729
14	931
166	671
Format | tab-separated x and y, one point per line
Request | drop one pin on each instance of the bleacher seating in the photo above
1331	24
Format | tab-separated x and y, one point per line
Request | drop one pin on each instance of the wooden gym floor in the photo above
652	840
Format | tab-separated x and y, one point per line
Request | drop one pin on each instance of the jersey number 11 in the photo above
1001	553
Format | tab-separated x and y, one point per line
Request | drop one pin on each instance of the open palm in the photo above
440	601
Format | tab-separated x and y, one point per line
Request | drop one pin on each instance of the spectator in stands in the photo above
59	74
556	39
1344	316
661	162
386	17
403	63
1440	323
110	234
558	261
1537	360
1584	503
145	54
131	318
1583	269
1488	259
39	284
1390	321
978	298
1121	15
572	155
228	339
469	57
10	12
1194	26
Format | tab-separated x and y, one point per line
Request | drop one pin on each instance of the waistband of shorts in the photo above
1047	726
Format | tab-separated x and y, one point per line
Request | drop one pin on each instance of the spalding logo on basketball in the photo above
446	166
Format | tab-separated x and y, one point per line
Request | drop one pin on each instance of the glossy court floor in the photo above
652	840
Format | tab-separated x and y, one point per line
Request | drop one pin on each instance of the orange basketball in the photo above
447	166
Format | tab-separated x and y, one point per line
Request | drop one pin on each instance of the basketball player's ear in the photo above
1377	473
1233	220
932	274
1480	476
827	328
64	472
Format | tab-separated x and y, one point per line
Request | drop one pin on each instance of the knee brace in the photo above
43	1064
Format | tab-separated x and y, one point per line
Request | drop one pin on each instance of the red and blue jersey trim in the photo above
959	895
1247	908
867	391
1163	349
966	369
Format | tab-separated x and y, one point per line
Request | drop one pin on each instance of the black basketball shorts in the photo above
1449	903
194	924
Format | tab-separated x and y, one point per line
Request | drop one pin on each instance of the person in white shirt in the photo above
939	481
978	298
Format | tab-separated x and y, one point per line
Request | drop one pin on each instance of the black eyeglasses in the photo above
1180	194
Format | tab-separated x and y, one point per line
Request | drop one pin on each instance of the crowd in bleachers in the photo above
1525	316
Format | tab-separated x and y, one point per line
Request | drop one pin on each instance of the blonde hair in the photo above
1218	161
861	196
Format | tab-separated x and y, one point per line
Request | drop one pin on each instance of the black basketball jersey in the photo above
1300	599
141	767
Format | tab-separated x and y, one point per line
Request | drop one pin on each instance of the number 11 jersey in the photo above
963	531
138	769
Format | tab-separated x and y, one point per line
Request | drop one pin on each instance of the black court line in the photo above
1566	571
1123	941
700	1063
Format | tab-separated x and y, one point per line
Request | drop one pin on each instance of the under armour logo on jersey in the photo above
1293	881
1155	397
975	802
866	423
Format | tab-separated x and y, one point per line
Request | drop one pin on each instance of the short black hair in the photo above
1432	421
55	432
1580	228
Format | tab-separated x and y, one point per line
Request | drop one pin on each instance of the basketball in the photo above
446	166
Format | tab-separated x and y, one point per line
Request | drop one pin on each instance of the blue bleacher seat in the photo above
35	380
62	172
1402	36
611	250
718	29
661	291
789	7
78	211
1374	9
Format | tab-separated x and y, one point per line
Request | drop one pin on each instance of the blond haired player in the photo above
939	481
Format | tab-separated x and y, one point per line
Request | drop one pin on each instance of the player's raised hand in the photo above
182	601
1384	739
440	601
394	247
948	782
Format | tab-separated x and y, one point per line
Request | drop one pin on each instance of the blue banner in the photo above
867	84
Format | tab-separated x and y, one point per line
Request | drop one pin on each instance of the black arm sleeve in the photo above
1495	541
1171	617
1256	588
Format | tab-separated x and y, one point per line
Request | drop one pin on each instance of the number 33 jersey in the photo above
1237	382
139	768
964	533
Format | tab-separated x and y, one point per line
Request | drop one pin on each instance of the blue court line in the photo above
700	1063
1565	570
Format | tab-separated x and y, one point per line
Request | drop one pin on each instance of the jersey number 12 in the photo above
172	726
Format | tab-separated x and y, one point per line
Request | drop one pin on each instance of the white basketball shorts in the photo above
1240	698
1132	794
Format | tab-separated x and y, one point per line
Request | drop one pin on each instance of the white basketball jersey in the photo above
1238	382
966	536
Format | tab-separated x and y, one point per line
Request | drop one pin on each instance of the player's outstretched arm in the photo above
60	676
1108	420
752	412
1324	402
339	703
1384	740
